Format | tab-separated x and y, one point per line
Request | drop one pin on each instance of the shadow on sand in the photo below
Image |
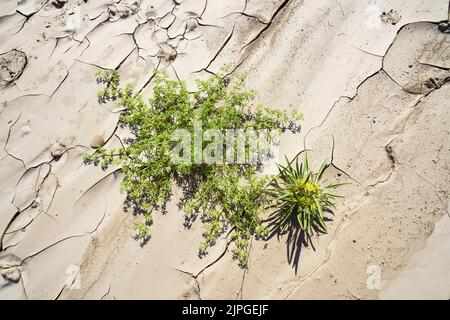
296	238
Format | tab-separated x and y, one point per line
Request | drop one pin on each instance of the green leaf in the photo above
321	171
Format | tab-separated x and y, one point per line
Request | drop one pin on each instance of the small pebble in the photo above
97	141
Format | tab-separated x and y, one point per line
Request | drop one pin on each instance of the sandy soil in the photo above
371	78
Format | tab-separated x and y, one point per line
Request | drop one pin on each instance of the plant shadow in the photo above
296	238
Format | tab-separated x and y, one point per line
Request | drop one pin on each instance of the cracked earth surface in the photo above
374	91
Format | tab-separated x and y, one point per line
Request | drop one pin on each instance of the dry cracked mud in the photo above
373	83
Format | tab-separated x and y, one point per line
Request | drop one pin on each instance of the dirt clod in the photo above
390	17
97	141
58	3
57	150
12	65
10	274
444	27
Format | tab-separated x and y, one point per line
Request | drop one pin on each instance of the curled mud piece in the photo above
9	261
12	65
191	24
10	274
424	87
119	11
167	53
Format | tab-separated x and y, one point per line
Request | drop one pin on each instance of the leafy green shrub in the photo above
229	197
299	194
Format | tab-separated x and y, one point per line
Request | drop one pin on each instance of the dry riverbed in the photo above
372	81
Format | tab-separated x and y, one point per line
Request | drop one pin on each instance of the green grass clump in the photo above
299	194
228	197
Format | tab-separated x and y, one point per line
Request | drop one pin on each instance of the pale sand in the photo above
360	77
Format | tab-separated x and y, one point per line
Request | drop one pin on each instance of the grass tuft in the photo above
298	193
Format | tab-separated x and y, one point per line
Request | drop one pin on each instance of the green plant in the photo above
299	194
229	197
